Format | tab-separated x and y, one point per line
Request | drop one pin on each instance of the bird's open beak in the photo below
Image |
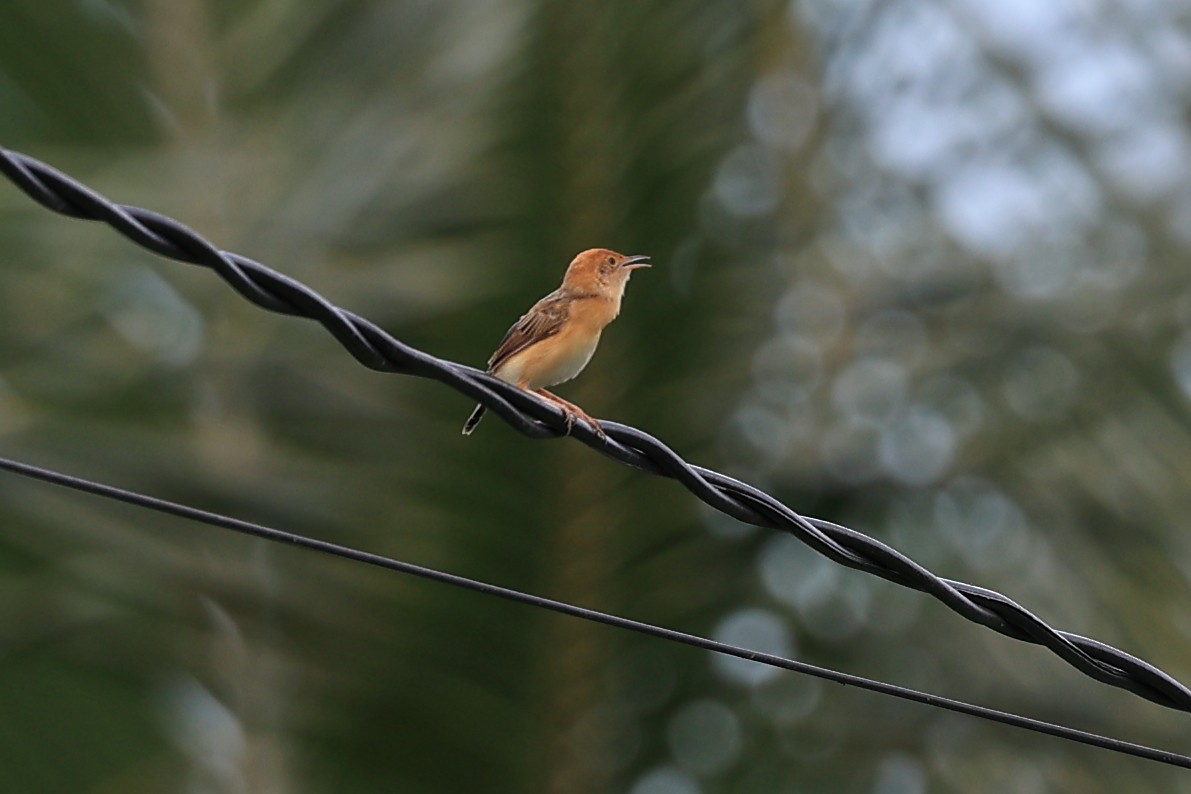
634	262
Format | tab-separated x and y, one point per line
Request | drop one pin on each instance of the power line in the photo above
376	349
693	640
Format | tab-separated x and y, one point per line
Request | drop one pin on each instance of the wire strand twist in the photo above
376	349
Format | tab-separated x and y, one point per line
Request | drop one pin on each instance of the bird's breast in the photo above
555	359
562	356
567	360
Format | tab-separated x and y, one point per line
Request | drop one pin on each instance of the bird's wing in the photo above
545	319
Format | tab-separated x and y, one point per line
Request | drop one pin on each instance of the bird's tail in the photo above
474	419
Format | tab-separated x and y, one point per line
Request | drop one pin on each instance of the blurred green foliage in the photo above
918	269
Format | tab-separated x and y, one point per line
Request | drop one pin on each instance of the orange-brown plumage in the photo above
554	340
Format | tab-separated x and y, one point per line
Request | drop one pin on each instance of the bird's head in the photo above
599	269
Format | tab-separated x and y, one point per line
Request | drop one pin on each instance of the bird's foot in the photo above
571	412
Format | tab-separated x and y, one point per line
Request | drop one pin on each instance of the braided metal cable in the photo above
376	349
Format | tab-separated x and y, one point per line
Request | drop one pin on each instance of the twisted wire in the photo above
376	349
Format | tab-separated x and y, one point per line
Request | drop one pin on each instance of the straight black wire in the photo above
693	640
373	348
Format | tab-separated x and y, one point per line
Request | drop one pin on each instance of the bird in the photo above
553	341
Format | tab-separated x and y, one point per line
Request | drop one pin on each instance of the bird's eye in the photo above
612	260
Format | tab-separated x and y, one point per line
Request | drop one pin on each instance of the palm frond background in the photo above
919	269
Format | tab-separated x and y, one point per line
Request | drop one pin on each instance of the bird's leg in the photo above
572	412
